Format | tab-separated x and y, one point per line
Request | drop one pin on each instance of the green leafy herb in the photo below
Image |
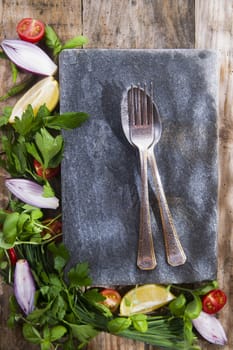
75	42
66	121
52	40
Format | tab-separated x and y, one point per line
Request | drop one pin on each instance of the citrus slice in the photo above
46	91
145	299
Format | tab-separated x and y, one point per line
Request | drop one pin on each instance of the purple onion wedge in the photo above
31	193
24	286
29	57
210	328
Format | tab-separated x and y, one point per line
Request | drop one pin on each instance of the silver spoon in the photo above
174	251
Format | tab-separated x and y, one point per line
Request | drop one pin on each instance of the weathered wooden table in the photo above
144	24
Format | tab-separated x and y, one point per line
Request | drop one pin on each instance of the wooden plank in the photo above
139	23
66	18
214	30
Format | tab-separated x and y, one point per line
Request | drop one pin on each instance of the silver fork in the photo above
141	133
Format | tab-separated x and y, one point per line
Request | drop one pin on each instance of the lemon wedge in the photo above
145	299
46	91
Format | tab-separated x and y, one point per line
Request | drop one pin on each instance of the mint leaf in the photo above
75	42
79	275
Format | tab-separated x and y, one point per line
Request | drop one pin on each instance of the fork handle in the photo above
174	251
146	256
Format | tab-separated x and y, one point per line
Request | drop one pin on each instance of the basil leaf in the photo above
75	42
52	40
140	322
119	324
194	307
177	305
206	288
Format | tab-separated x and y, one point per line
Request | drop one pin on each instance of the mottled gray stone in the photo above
100	170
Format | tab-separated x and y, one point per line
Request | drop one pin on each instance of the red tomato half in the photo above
48	173
30	29
214	301
112	300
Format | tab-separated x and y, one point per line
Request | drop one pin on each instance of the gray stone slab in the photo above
100	169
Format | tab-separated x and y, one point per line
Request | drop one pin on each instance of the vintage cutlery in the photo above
141	134
174	251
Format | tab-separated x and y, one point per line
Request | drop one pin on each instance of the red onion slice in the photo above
29	57
31	193
210	328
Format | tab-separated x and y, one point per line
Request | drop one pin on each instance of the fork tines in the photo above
140	104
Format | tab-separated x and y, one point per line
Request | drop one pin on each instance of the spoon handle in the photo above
146	256
174	251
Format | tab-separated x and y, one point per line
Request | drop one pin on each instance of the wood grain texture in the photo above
214	30
139	23
142	24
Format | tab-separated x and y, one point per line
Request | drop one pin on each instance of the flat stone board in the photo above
100	169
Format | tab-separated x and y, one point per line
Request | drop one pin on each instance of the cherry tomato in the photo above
112	300
12	256
214	301
30	29
48	173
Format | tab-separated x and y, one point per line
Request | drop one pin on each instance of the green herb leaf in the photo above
57	332
66	121
47	190
10	229
84	333
206	288
119	324
75	42
60	254
177	306
140	322
49	147
52	40
79	276
194	307
31	334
